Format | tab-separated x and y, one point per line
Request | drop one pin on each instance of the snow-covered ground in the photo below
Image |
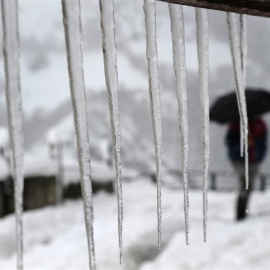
55	236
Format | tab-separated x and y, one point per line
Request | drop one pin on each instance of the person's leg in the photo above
244	194
242	200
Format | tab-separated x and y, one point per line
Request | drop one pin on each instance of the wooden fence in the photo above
216	179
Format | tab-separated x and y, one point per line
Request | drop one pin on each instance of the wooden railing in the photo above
215	179
254	7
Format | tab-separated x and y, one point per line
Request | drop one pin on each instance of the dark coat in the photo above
257	141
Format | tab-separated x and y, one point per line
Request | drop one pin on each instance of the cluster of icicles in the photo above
73	35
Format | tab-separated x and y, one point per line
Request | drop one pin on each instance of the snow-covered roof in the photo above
4	137
44	166
39	166
3	169
101	171
52	136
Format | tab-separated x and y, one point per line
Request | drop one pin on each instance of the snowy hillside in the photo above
55	236
46	96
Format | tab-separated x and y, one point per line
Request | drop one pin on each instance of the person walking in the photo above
257	147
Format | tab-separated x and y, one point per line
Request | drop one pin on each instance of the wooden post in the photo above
254	7
213	181
1	198
262	182
60	173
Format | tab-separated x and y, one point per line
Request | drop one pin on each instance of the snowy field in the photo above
55	236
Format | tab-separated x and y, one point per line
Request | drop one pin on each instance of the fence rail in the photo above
214	179
254	7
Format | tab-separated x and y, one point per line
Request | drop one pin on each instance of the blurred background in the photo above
55	236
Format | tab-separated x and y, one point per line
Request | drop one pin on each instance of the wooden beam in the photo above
250	7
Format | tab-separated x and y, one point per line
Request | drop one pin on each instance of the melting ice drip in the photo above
110	66
154	92
14	106
73	35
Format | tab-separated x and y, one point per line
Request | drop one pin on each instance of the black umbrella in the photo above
225	108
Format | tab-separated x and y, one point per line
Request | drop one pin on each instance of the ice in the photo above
243	50
243	45
242	139
73	35
154	92
179	60
239	81
14	106
203	58
110	66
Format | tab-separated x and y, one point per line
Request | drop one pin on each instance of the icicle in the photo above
179	60
203	58
243	49
15	115
73	35
239	81
242	139
243	46
154	92
110	66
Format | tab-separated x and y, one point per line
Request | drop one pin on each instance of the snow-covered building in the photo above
41	175
3	177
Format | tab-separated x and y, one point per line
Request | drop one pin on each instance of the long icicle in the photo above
73	36
179	62
243	45
11	51
110	66
239	82
203	58
154	92
243	50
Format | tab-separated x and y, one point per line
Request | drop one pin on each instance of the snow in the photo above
4	137
102	172
154	93
52	136
3	169
179	56
55	236
230	246
40	165
52	83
